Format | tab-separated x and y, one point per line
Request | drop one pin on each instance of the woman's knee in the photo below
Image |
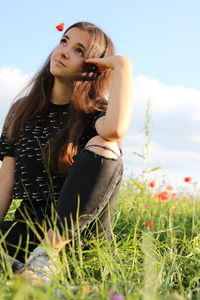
98	140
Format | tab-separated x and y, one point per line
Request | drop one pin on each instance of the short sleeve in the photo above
95	116
6	147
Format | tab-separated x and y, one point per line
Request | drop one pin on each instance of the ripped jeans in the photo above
91	186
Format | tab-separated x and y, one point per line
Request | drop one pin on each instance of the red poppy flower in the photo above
169	188
149	223
152	183
60	27
174	194
162	196
187	179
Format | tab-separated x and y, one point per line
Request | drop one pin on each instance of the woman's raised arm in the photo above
116	122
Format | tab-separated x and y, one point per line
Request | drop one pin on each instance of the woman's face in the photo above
68	57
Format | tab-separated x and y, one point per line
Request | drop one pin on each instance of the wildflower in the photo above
146	204
169	188
162	196
149	223
115	296
85	288
187	179
60	27
174	194
172	207
152	183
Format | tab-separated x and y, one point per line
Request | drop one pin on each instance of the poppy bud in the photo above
187	179
149	223
60	27
152	183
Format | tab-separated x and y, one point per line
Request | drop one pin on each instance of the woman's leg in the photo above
102	225
17	239
88	187
88	191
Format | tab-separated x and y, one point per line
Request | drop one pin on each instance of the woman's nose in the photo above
65	52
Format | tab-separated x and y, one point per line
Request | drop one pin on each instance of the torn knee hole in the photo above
103	150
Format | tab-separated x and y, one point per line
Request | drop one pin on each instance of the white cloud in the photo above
174	135
164	98
175	165
195	138
11	83
195	116
173	157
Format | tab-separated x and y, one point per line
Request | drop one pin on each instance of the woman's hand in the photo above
108	62
29	274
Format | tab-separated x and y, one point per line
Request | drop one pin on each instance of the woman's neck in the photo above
61	92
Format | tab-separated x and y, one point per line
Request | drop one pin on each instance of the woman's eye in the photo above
80	50
64	40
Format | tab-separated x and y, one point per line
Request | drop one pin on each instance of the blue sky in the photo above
160	37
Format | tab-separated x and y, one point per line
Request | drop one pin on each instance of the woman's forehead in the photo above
78	35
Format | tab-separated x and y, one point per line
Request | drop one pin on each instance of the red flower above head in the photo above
169	188
149	223
152	183
187	179
60	27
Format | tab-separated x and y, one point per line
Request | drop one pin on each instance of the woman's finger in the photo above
104	63
29	274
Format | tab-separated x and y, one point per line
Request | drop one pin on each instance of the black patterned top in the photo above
33	183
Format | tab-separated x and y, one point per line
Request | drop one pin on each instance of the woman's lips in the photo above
59	63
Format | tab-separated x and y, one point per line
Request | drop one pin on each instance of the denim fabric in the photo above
89	191
94	180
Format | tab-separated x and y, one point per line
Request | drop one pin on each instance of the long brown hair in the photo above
89	95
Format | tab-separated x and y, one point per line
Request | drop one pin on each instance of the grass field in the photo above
154	254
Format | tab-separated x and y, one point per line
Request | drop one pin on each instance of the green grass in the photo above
141	262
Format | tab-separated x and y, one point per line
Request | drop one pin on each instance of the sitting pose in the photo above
60	149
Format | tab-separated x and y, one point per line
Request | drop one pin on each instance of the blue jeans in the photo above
91	186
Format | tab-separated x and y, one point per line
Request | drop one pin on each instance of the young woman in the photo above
61	148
